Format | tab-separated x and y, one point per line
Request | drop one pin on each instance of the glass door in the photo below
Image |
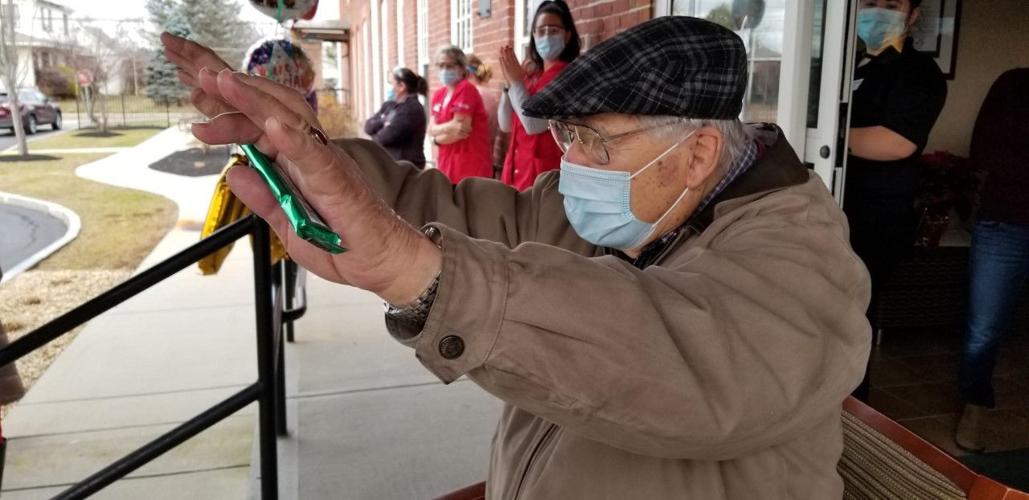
795	52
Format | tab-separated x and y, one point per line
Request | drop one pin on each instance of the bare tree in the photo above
9	70
101	52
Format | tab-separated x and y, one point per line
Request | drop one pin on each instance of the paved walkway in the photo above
149	364
26	231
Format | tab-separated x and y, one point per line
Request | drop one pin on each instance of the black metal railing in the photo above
268	391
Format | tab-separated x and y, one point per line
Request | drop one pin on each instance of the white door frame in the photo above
820	145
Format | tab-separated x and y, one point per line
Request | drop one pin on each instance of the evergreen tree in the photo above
162	80
216	24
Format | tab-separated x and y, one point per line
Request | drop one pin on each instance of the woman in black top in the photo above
898	94
399	126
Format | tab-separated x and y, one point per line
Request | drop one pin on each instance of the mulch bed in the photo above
194	162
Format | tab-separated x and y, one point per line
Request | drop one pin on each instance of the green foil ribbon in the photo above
305	221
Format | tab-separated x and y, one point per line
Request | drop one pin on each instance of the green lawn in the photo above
93	138
119	226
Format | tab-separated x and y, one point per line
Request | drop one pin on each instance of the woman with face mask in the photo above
400	125
554	44
459	124
898	92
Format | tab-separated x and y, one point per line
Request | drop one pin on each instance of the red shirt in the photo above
530	155
469	157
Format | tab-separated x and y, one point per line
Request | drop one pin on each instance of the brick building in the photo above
388	33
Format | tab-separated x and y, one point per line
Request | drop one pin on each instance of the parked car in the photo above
36	109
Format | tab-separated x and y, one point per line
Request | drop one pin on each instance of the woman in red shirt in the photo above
460	126
555	43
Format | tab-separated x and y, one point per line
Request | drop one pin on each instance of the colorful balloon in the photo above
282	61
282	10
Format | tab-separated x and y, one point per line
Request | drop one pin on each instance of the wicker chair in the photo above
882	460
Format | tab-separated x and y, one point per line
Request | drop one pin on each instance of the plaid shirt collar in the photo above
656	247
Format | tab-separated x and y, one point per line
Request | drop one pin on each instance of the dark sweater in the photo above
400	128
1000	146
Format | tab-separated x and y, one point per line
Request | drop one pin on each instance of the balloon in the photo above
282	61
282	10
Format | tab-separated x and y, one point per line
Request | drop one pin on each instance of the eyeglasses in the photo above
548	30
593	143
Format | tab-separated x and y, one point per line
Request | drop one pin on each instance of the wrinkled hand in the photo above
386	255
509	65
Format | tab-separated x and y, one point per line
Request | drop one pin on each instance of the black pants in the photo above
882	230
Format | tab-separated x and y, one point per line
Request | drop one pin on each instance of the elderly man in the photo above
675	314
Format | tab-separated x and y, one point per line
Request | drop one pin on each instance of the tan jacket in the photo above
716	372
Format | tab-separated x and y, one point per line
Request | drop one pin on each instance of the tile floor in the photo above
914	381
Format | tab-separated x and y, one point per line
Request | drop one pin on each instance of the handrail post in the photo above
290	284
280	389
280	273
265	361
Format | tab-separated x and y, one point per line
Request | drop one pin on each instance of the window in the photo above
423	36
461	24
524	10
45	18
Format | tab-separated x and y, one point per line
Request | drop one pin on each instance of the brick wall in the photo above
492	33
411	35
389	54
595	20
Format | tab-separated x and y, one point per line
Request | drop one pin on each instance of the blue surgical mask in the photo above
877	26
391	93
449	76
598	207
549	47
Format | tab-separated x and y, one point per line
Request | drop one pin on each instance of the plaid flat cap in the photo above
673	65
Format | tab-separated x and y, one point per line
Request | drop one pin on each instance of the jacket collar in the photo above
777	167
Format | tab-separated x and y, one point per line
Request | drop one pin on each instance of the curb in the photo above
71	219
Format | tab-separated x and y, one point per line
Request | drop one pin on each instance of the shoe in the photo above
969	432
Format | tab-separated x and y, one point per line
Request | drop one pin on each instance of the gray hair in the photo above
735	136
454	52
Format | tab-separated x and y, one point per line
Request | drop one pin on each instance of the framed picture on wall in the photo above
936	32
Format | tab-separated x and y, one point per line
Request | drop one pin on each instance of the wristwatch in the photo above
408	320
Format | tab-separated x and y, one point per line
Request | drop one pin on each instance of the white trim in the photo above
401	59
795	71
376	76
660	8
367	96
71	219
522	41
387	63
422	35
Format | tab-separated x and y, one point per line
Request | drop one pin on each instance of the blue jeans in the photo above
998	267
